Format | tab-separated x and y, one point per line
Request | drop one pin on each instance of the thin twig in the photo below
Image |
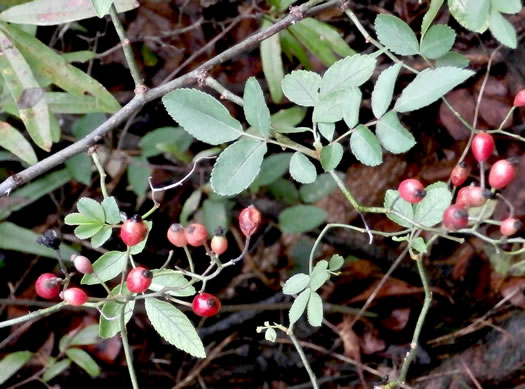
127	351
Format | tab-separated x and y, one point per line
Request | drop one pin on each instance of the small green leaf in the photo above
437	41
452	59
138	172
301	218
101	236
111	210
384	90
471	14
174	327
424	90
315	310
331	156
109	328
348	72
301	169
102	7
322	187
107	267
79	166
11	363
167	278
74	219
87	335
401	206
237	166
190	206
85	231
419	245
202	116
431	14
310	39
12	140
176	136
296	284
328	108
319	275
84	360
350	105
272	63
329	36
255	109
326	129
302	87
502	30
429	211
292	48
298	306
270	335
336	262
273	168
284	190
396	35
288	117
392	135
91	208
365	146
56	369
506	6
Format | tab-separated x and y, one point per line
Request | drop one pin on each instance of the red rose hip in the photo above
411	190
462	198
475	197
139	279
249	220
482	146
510	226
75	296
501	174
176	235
459	174
455	217
48	286
196	234
133	231
206	305
519	100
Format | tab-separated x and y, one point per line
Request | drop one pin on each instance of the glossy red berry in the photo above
411	190
501	174
133	231
476	197
206	305
139	279
176	235
75	296
462	198
47	286
82	264
455	217
459	174
196	234
519	100
482	146
249	220
510	226
219	244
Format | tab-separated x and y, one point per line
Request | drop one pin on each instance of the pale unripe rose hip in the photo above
519	99
82	264
75	296
510	226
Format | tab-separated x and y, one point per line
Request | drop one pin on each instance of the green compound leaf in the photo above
392	135
365	146
109	328
101	236
237	166
429	17
107	267
302	87
328	108
301	218
273	168
452	59
202	116
11	363
91	208
56	369
506	6
174	327
401	206
12	140
424	89
502	30
396	35
471	14
315	310
327	130
331	156
348	72
429	211
111	210
319	275
296	284
437	41
85	231
384	90
84	360
299	306
336	262
272	63
302	169
350	104
255	109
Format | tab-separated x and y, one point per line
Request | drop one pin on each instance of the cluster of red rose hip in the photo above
501	174
134	231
